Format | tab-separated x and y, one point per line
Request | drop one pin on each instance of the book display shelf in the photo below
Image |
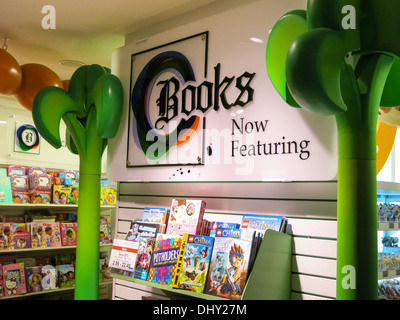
33	252
270	278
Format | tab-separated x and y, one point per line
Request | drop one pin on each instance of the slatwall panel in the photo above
309	206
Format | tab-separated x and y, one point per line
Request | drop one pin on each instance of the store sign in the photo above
169	106
202	108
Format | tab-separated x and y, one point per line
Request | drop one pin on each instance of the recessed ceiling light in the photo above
71	63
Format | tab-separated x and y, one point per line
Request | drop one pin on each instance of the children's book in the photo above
45	234
194	260
105	230
185	217
156	214
66	275
6	238
260	223
228	233
68	233
143	229
33	279
143	259
218	225
104	269
49	277
228	268
5	190
14	279
164	259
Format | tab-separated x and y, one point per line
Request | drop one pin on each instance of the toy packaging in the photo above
40	187
14	279
105	230
6	239
21	236
158	215
34	279
68	233
45	234
20	189
74	194
164	259
16	171
194	260
185	216
228	268
66	275
49	277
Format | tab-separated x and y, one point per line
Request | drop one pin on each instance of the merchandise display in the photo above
217	262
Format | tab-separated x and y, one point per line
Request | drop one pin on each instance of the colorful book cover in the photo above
185	217
155	214
228	268
6	238
260	223
68	233
142	229
228	233
52	234
104	269
33	279
49	277
14	279
217	225
105	230
194	260
66	275
165	257
5	190
143	259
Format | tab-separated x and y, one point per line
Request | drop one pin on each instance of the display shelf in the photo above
53	291
102	245
270	278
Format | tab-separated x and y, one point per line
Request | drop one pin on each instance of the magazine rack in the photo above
270	278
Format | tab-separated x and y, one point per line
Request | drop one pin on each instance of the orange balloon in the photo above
35	77
10	74
66	84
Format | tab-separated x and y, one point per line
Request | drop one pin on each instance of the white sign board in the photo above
200	107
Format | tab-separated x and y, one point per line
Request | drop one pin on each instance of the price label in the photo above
123	254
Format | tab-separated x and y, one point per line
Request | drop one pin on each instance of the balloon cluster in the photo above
27	80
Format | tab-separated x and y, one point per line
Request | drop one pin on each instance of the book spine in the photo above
179	263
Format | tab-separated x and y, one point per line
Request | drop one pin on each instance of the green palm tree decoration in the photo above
91	110
340	58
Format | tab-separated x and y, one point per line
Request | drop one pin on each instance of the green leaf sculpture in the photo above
91	110
340	58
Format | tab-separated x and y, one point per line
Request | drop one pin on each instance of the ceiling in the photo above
87	31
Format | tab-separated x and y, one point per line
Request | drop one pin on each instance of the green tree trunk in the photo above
357	269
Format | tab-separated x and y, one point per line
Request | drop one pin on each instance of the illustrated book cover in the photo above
14	279
193	263
260	223
156	214
228	268
164	259
186	216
